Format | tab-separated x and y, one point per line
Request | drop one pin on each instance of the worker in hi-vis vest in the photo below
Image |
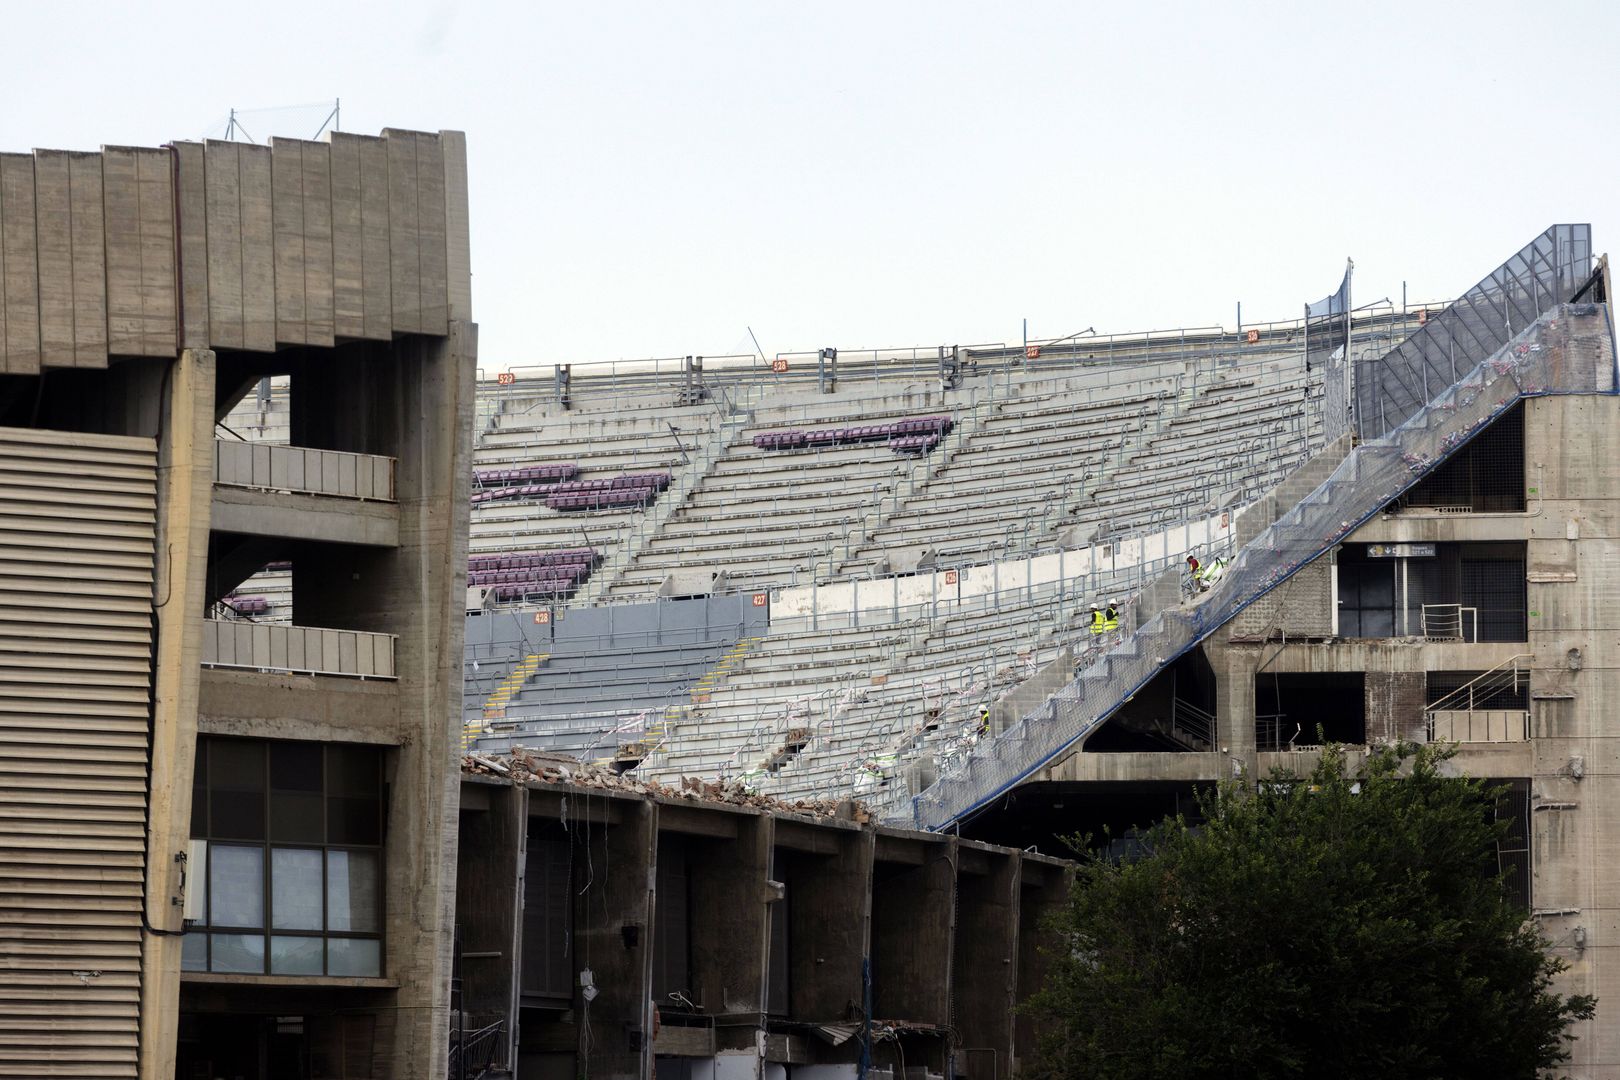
1111	617
1097	620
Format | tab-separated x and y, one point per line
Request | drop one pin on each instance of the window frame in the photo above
206	928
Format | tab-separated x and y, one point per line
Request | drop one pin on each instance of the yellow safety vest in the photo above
1097	622
1111	619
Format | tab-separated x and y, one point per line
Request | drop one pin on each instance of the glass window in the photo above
236	789
354	956
295	955
272	888
295	888
351	891
353	806
296	783
194	952
238	953
236	885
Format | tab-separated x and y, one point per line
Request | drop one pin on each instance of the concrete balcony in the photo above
264	489
303	650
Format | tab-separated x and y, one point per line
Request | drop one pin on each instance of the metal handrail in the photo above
1508	672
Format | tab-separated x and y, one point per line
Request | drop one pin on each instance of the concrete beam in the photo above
297	516
323	708
1136	765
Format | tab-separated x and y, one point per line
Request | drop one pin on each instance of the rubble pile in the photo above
523	765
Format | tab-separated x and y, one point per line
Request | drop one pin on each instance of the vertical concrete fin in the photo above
19	264
88	225
258	251
348	253
318	298
457	228
224	231
192	203
53	235
404	231
287	220
433	250
138	205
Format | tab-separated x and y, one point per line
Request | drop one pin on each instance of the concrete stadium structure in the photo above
1416	505
226	848
872	574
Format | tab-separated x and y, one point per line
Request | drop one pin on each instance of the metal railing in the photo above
1449	622
1543	274
298	468
301	650
1471	713
474	1053
1568	351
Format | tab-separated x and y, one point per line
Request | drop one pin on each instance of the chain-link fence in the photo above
1568	350
1546	272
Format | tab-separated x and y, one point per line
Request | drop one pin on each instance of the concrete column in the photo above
418	594
185	490
1234	708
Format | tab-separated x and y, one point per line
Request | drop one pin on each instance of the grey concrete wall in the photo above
1301	607
137	251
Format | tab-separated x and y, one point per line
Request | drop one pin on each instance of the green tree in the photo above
1350	925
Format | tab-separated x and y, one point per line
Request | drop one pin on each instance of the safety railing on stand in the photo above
1568	350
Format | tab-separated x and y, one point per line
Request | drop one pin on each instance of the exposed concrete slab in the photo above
280	706
1144	765
297	516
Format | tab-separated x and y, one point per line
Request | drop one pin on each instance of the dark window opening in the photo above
672	925
776	964
1175	711
1513	848
292	882
1486	476
1294	710
1366	594
1447	591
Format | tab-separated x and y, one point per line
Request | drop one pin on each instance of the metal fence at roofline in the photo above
1568	351
657	382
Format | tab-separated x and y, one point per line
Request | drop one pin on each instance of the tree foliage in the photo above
1353	925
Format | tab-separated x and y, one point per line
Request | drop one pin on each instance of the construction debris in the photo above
523	765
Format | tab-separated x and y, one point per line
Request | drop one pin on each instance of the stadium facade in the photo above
247	631
226	847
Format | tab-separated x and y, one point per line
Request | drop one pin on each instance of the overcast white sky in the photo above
649	179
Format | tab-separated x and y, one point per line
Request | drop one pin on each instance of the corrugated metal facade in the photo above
77	517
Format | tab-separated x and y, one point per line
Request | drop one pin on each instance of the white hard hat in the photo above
1113	600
